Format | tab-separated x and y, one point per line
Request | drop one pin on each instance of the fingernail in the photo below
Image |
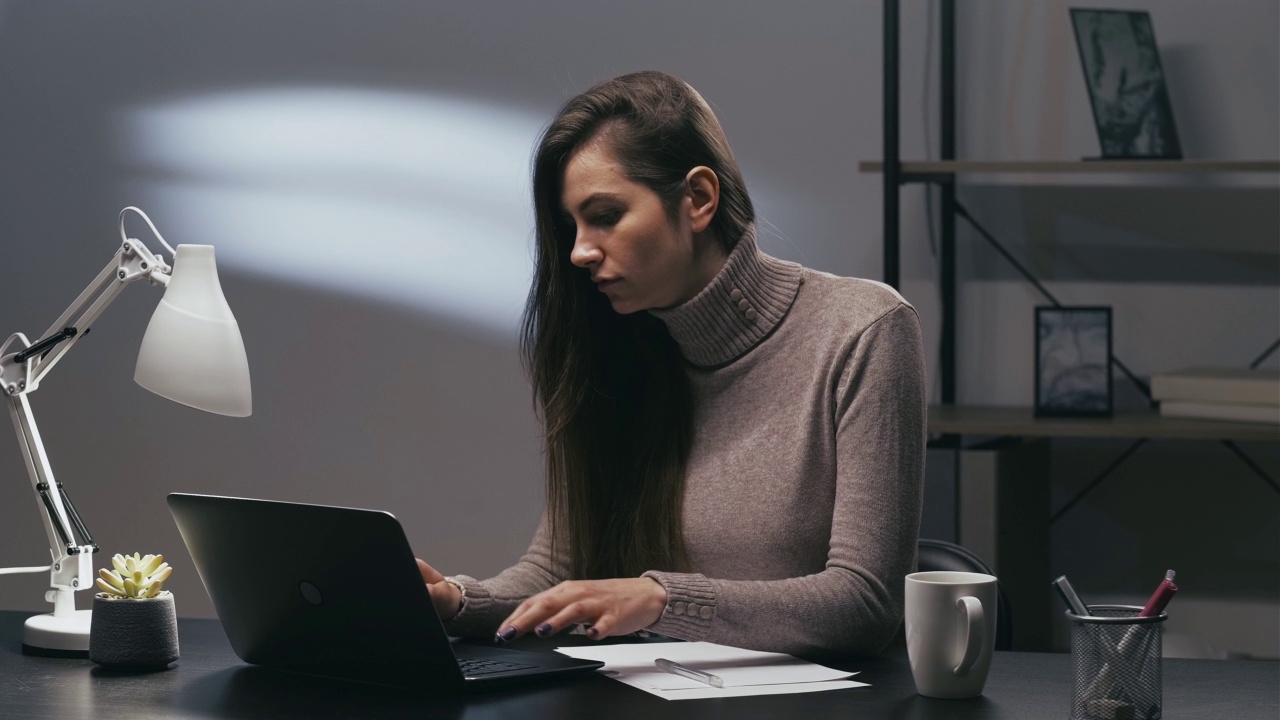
543	630
508	634
593	633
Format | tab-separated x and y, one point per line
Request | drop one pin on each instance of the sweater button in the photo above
679	608
736	294
752	314
693	610
705	613
743	304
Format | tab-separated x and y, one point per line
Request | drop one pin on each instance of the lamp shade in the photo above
192	352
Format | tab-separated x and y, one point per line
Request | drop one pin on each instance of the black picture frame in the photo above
1126	83
1073	362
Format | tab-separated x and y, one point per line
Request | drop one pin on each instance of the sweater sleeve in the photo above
489	602
854	605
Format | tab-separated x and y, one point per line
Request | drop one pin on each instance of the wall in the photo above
361	170
317	145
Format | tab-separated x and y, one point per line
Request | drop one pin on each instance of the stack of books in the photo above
1219	394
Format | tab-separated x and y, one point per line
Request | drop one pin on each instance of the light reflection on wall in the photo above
413	199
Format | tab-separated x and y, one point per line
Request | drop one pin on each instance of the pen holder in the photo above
1116	655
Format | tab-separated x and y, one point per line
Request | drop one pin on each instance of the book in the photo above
1225	386
1221	411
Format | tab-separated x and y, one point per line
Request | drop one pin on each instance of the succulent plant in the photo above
136	577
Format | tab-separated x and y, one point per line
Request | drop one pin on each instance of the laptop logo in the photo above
310	593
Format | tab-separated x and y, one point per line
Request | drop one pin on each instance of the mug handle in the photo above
975	630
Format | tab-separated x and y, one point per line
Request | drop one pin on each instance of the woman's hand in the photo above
444	595
610	607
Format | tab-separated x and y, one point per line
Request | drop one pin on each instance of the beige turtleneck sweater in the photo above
802	499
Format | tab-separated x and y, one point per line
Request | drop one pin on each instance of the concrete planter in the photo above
129	634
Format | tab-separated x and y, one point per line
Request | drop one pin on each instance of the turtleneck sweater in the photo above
803	485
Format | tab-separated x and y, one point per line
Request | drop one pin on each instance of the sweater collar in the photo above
740	307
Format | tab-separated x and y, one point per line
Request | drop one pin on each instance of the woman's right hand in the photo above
444	595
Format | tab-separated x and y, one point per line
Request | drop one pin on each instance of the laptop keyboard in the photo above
476	668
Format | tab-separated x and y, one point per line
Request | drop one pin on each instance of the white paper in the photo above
744	672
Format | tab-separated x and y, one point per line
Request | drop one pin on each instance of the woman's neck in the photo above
708	259
743	301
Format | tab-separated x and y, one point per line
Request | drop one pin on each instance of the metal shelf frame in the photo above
943	172
894	177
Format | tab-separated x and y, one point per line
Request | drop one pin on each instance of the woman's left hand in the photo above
610	607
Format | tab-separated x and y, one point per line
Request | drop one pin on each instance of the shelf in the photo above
1155	167
1022	422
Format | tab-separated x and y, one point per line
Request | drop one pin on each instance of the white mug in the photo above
951	630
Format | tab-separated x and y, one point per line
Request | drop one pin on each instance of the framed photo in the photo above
1126	84
1073	361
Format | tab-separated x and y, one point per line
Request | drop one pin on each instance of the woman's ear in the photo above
704	194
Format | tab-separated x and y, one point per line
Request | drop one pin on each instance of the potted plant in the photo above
134	625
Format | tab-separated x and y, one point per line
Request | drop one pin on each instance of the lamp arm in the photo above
70	543
132	262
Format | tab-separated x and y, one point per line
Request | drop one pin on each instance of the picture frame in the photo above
1126	84
1073	361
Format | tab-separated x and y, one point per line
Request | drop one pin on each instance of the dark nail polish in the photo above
508	634
544	630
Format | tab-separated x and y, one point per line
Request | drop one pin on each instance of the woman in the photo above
734	444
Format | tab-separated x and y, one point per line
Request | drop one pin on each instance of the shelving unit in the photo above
945	172
1135	424
996	486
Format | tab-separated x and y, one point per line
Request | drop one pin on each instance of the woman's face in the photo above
638	256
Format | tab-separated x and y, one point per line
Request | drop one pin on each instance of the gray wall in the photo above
360	168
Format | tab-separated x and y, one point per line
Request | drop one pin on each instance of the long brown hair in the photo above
611	389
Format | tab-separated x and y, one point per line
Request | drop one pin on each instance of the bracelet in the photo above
462	592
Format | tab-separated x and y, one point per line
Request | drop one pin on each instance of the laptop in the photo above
334	591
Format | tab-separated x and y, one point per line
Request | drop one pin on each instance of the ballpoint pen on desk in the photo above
676	668
1069	596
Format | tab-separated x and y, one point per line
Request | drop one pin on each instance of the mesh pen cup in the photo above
1116	656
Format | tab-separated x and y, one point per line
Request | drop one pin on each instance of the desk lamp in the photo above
192	353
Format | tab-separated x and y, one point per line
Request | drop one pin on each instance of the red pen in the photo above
1161	597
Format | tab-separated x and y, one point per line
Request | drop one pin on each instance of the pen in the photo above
1069	596
677	669
1161	597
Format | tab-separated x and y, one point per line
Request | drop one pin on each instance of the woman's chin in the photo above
622	307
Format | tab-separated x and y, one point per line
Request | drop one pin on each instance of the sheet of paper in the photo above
744	672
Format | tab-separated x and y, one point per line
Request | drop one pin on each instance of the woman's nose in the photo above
584	253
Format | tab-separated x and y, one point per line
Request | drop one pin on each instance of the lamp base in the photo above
54	636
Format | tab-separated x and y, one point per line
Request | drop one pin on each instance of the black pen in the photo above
1069	596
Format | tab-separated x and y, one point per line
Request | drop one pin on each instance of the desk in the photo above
210	682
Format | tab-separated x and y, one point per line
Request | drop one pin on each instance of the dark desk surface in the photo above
210	682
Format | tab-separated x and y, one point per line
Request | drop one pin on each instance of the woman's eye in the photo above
608	219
